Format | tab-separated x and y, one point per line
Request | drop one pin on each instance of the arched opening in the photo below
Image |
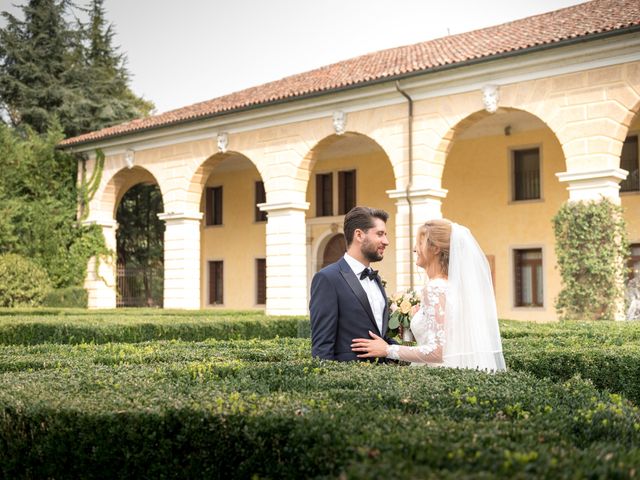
232	236
500	173
140	247
333	250
630	194
345	171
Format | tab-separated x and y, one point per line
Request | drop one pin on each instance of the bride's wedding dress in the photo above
457	324
427	326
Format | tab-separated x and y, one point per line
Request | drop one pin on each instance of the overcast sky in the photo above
185	51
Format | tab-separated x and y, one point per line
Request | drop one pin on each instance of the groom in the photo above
347	297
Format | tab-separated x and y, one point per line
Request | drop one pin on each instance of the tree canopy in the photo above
70	70
60	75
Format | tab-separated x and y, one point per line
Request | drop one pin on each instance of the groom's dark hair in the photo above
361	218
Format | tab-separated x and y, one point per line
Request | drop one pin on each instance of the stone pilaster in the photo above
181	259
286	258
412	208
100	282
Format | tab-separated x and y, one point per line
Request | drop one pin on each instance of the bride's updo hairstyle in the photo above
436	233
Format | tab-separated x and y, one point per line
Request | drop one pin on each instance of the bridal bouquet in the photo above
403	305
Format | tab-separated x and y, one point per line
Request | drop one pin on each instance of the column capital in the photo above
275	207
180	216
418	195
101	222
592	184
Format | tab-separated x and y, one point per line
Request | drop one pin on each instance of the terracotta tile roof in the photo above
586	19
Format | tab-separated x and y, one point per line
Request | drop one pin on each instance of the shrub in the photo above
69	297
62	326
22	282
263	409
591	247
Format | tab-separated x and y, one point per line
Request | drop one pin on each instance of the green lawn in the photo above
209	401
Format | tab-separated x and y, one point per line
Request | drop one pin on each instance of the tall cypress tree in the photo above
33	61
111	100
51	69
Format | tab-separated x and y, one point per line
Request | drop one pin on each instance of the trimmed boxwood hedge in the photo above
69	326
96	395
262	408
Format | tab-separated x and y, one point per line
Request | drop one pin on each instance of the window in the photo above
346	191
261	197
634	261
629	161
215	283
213	207
324	195
528	277
526	174
261	281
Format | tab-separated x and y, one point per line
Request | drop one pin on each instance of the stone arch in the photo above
500	122
195	187
358	172
119	183
360	143
484	193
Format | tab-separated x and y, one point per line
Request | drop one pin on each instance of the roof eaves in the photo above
352	86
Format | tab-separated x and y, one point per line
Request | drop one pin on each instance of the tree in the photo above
38	203
109	99
50	69
33	61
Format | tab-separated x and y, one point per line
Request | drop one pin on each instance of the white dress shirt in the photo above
371	288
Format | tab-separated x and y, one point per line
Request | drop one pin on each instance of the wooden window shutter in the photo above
216	283
261	281
261	197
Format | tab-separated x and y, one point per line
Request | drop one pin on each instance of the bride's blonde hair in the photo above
438	234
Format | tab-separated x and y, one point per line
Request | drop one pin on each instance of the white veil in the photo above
472	332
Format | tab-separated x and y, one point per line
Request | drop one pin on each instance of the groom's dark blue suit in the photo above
340	311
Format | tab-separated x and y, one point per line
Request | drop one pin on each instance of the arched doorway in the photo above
333	251
140	247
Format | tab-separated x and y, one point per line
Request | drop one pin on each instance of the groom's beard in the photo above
370	252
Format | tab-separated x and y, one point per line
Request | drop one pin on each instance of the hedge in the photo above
30	327
262	408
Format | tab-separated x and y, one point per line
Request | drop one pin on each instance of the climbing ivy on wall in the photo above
592	249
88	187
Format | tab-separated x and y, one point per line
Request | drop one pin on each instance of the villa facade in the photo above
494	129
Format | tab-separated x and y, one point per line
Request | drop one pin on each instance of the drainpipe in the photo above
410	182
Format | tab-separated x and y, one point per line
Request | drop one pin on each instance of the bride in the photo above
457	323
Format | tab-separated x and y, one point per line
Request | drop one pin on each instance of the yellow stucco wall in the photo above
477	174
238	242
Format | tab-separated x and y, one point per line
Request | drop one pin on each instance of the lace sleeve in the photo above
430	350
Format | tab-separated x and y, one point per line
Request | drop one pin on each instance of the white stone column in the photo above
286	248
100	282
594	184
181	259
412	208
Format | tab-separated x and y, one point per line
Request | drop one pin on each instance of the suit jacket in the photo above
340	311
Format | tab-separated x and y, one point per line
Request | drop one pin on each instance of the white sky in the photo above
185	51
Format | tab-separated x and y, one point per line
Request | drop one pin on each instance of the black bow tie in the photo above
368	272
